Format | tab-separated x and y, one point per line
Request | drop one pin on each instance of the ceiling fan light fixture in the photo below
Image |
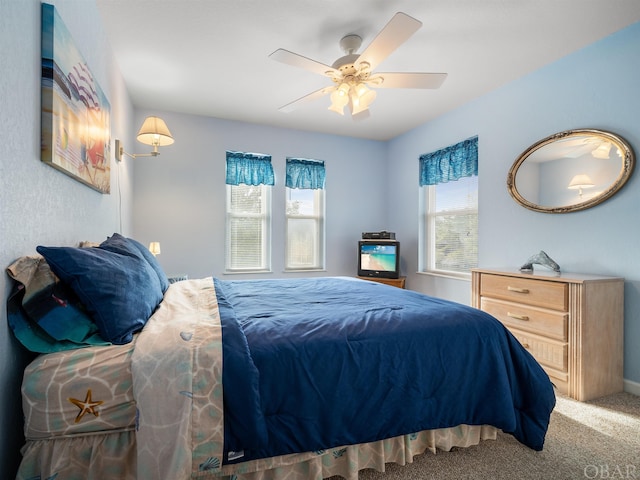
361	97
366	96
340	98
354	70
602	151
339	109
360	89
343	90
357	107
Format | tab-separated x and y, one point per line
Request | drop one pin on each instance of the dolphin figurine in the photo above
541	259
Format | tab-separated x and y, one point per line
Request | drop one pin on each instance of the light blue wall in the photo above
596	87
179	196
39	205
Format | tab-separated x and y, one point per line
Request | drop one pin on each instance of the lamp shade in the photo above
154	247
361	98
365	95
339	99
155	132
337	108
581	180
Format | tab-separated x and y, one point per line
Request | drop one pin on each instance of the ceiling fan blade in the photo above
409	80
289	107
394	34
290	58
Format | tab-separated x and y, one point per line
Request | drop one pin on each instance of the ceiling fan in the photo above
352	74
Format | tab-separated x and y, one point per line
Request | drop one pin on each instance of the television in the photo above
379	258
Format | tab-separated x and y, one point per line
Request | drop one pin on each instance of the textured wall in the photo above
38	204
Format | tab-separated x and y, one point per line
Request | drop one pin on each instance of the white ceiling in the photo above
210	57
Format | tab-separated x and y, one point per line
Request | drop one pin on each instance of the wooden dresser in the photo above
571	323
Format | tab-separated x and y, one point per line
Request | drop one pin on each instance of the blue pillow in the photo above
114	282
150	257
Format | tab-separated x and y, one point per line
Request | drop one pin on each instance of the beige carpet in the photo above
599	439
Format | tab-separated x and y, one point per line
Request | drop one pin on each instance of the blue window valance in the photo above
305	173
450	163
249	168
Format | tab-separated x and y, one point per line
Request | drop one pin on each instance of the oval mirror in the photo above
570	171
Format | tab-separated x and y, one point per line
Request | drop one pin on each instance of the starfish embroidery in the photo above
86	406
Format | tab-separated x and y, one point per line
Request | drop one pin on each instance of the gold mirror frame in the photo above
627	165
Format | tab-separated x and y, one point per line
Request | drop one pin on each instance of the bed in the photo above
280	379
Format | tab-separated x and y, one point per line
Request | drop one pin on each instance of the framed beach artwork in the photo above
75	112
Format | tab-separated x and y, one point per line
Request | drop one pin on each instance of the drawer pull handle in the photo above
525	345
518	317
518	290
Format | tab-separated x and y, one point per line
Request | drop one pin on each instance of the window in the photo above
305	229
451	226
449	220
248	227
248	212
304	214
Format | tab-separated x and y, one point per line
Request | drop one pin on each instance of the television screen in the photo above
378	258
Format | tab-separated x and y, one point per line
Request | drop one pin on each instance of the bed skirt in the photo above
112	456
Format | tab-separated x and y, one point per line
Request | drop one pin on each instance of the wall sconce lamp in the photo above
580	181
153	132
154	247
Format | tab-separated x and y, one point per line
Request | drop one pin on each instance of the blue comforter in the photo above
311	364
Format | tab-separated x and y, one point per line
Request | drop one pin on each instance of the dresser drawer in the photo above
523	317
541	293
546	352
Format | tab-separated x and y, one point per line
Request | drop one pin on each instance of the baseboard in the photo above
632	387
